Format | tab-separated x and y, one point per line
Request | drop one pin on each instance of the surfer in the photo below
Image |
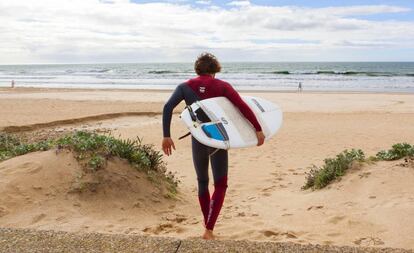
203	87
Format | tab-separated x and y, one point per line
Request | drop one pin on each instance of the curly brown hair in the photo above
206	63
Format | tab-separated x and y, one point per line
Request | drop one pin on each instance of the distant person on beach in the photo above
203	87
12	83
300	87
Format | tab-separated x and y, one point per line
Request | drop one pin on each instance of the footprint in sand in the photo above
369	241
226	217
60	218
270	233
241	214
155	199
38	218
177	218
164	228
129	230
349	203
336	219
3	212
279	235
290	235
334	234
267	191
137	204
364	175
314	208
268	188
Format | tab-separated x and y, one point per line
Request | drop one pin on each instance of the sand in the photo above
371	206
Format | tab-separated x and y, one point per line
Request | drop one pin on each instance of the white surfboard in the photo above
216	122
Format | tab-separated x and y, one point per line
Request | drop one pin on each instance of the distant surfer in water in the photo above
203	87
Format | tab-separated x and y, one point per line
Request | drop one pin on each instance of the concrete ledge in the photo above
27	240
275	247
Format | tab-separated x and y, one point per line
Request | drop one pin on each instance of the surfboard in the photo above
217	123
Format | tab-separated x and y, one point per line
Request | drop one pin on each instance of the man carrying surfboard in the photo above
203	87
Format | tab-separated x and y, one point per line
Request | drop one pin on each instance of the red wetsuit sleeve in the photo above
234	97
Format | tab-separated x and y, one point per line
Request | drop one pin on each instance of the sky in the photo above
124	31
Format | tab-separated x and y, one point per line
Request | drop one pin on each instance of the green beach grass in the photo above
92	151
335	168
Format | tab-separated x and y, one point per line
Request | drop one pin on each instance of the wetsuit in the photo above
203	87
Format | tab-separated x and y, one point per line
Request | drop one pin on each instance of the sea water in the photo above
314	76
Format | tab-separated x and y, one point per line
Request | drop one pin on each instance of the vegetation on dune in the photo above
398	151
11	146
334	168
93	150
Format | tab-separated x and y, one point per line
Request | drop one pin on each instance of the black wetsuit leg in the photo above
219	164
200	160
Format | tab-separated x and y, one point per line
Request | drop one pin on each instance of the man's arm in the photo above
234	97
174	100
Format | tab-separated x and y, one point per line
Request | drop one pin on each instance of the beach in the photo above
372	205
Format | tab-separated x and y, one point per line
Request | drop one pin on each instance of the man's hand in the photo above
260	138
167	143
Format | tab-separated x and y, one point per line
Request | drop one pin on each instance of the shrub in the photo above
93	150
97	162
11	146
8	141
333	168
398	151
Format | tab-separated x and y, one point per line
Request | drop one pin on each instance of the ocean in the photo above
314	76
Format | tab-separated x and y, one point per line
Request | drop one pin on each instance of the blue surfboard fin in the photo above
215	131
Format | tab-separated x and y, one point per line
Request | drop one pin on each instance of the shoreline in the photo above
54	89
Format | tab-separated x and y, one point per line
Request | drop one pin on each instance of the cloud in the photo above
239	3
363	10
205	2
361	44
120	30
115	1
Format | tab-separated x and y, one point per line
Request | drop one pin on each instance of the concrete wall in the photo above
25	240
